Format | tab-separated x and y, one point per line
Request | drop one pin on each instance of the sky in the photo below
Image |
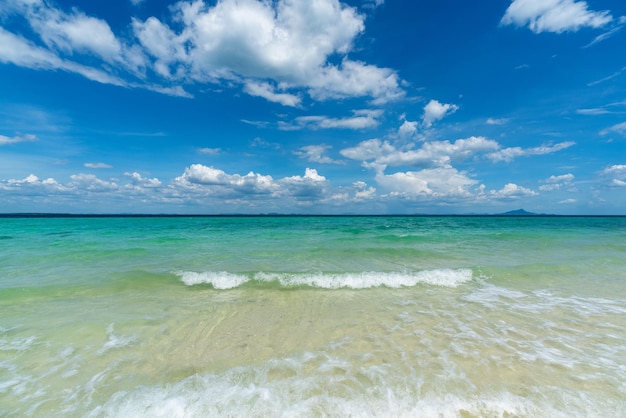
313	106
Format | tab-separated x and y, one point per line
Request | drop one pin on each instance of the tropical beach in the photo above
312	208
312	316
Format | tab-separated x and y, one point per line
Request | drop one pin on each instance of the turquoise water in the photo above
313	316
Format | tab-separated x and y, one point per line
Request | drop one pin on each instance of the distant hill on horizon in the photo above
519	212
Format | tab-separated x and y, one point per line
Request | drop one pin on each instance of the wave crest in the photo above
361	280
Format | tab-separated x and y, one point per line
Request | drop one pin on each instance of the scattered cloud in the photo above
137	181
554	15
512	191
316	154
606	35
408	129
508	154
361	119
616	175
380	154
497	121
5	140
97	165
266	91
435	111
273	50
209	151
556	182
431	182
610	77
619	128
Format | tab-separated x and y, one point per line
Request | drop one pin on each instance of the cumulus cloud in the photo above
556	182
512	191
431	154
309	187
268	48
362	191
407	129
5	140
434	182
288	42
206	181
217	181
138	181
436	110
616	174
554	15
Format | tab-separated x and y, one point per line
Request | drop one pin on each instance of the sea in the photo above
313	316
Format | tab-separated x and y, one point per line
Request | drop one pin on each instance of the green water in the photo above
313	316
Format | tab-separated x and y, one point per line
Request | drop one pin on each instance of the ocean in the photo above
292	316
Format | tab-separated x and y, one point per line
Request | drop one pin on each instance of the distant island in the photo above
518	212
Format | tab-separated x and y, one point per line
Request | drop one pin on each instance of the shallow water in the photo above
313	316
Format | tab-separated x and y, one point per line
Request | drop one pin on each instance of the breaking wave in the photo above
361	280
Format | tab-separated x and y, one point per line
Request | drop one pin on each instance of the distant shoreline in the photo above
278	215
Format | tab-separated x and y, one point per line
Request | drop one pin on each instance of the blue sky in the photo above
313	106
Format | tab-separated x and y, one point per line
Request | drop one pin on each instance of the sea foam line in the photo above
361	280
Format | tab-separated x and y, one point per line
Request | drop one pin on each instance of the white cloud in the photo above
435	111
269	48
137	181
512	191
508	154
209	151
5	140
496	121
556	182
354	79
607	78
435	182
217	181
316	154
407	129
17	50
266	91
74	32
610	33
288	42
91	183
564	178
362	191
307	187
97	165
431	154
617	169
554	15
616	175
619	128
362	119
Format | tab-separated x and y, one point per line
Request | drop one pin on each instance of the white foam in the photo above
361	280
219	280
17	344
116	341
255	391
